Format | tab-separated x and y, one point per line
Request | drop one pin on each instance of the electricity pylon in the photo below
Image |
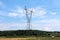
28	16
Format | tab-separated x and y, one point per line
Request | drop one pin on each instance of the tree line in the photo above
29	33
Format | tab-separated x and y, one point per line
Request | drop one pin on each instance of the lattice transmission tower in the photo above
28	16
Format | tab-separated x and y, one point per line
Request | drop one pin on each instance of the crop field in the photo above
32	38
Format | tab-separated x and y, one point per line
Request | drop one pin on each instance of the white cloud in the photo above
50	21
37	12
18	9
12	14
12	26
47	29
53	13
17	12
40	12
46	25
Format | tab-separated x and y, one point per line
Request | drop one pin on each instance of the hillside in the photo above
28	33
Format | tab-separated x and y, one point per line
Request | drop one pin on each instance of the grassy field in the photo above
32	38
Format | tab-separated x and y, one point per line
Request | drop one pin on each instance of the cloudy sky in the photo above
45	16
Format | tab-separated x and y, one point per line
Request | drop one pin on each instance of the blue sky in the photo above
46	14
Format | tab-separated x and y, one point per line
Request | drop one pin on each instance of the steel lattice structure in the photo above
28	16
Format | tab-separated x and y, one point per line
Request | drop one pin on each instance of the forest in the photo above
19	33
